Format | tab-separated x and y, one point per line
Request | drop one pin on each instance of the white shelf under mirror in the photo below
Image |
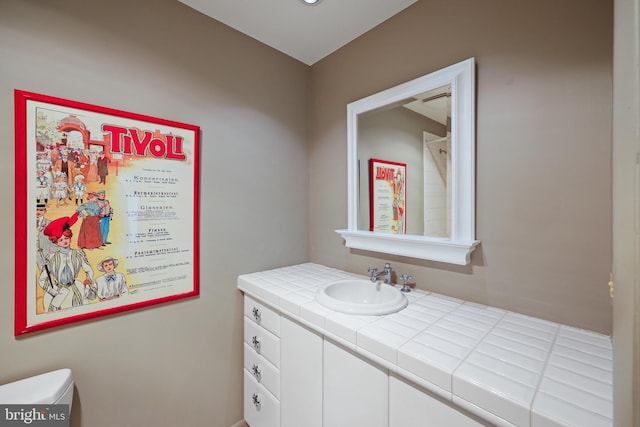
454	86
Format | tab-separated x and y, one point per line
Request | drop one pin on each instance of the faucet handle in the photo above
374	274
405	279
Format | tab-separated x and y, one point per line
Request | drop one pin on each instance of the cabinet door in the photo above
300	376
410	406
356	392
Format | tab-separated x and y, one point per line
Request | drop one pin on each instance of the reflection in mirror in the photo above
415	132
420	200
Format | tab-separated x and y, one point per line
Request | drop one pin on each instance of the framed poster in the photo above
114	196
387	196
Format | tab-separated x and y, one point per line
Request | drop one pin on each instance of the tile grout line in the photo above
544	370
480	340
421	331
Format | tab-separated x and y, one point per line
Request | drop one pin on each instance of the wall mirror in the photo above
411	168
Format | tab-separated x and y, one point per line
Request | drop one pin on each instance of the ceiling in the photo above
307	33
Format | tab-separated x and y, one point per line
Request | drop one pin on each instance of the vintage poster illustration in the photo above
387	193
114	196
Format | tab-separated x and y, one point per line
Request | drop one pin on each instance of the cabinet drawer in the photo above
262	315
262	341
261	409
262	371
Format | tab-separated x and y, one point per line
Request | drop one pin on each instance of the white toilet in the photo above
55	387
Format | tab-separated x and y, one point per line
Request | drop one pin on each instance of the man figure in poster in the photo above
103	167
105	216
65	166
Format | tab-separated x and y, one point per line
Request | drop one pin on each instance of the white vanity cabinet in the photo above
296	377
282	370
355	391
410	406
301	376
438	362
261	365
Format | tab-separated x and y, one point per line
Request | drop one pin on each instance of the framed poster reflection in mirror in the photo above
387	192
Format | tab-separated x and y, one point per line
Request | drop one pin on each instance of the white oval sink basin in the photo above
360	296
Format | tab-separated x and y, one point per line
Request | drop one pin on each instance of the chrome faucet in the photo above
386	273
405	282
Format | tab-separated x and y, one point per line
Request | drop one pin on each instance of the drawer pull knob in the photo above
256	343
256	400
256	314
256	372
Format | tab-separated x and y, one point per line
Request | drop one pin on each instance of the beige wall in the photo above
180	363
544	89
543	173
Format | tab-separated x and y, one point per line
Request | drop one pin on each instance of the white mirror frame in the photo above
456	249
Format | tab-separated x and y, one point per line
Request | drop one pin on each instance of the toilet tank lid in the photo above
40	389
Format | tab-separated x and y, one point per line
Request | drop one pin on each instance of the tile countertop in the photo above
507	368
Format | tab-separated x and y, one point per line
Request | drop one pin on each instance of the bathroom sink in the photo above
360	296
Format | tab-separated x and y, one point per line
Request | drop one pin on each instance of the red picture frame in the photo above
387	196
116	200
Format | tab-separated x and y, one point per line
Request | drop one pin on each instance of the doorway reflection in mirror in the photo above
416	132
437	187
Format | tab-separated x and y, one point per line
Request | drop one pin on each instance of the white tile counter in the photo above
507	368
